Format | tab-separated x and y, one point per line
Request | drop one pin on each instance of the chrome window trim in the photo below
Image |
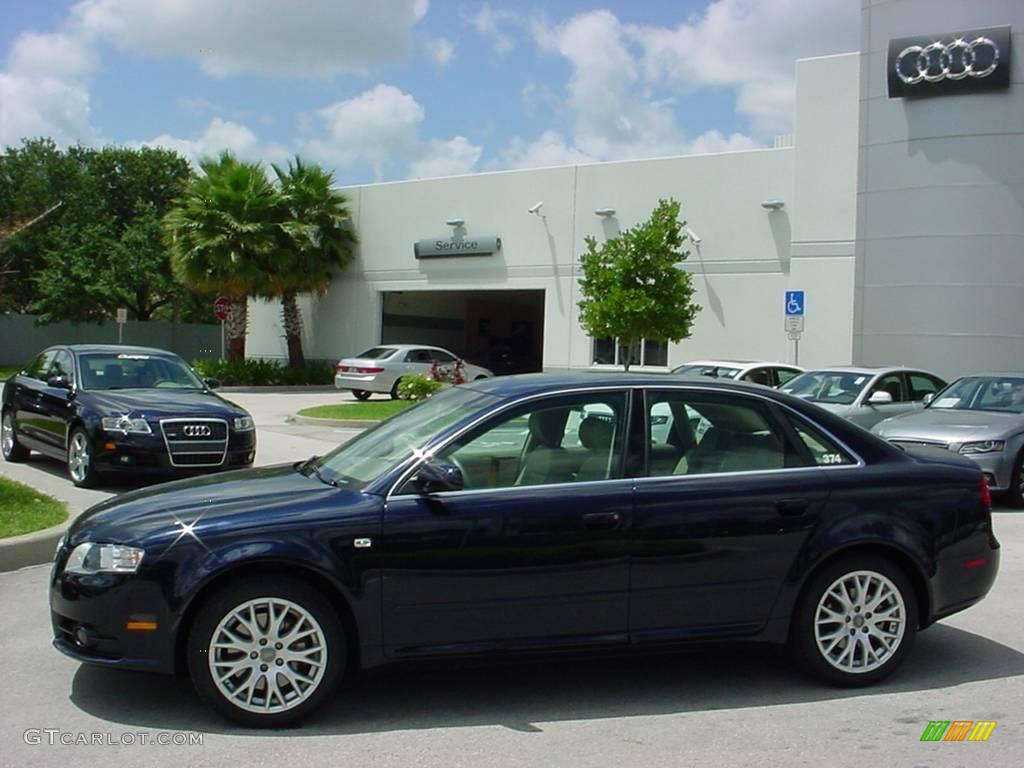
413	462
170	453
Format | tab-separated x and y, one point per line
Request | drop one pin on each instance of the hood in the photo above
154	517
839	410
949	425
159	403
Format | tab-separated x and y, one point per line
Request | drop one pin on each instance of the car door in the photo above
868	414
29	414
715	533
531	552
419	362
56	402
921	384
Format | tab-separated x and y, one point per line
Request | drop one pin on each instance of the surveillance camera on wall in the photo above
455	222
772	205
535	208
694	237
604	211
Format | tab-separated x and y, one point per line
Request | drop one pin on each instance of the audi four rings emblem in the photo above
197	430
956	60
966	61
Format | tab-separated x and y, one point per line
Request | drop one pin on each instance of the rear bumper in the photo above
965	574
365	382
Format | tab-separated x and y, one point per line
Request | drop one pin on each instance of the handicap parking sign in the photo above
794	303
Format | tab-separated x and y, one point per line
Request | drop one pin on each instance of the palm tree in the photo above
222	233
316	238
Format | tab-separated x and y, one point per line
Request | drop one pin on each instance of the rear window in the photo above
377	353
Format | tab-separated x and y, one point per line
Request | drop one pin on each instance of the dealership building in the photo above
896	207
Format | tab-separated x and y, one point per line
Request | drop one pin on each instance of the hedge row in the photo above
264	373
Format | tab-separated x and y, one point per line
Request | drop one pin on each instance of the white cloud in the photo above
492	24
220	135
445	158
314	38
550	149
43	90
441	50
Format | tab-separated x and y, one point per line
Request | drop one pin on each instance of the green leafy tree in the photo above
317	238
632	285
223	233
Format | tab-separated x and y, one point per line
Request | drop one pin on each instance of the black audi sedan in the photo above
105	408
532	513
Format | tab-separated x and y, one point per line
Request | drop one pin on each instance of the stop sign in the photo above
220	307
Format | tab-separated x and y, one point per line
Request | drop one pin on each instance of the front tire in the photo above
81	467
1016	493
13	450
265	655
361	394
855	622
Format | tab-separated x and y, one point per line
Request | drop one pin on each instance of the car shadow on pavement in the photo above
111	482
522	694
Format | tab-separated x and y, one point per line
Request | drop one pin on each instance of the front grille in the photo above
196	442
929	443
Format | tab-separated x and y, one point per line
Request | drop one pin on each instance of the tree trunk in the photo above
235	327
292	329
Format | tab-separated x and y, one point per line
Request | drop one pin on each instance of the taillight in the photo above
369	370
986	494
342	368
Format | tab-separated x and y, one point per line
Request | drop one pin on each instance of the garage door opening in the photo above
500	330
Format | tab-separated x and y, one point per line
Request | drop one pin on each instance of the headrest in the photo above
596	434
548	427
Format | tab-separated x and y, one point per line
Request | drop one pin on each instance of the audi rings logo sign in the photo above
197	430
960	62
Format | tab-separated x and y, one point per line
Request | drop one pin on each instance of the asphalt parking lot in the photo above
734	706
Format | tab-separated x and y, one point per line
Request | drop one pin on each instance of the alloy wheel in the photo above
7	435
78	457
860	621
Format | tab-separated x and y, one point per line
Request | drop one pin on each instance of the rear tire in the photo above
855	621
1016	493
361	394
297	640
394	389
13	450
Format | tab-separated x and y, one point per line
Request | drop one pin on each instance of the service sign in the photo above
954	62
444	247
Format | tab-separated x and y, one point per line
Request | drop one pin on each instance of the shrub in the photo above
418	387
264	373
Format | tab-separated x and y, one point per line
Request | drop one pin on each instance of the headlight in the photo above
244	424
95	558
984	446
126	425
60	546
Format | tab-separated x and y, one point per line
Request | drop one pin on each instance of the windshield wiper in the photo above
310	467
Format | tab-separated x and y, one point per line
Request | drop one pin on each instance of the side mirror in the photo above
881	397
59	382
437	475
212	383
928	398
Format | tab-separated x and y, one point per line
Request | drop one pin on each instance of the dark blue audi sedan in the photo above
107	408
527	513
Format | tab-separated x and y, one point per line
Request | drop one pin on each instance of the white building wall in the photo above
747	258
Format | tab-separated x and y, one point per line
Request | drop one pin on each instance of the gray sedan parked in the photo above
865	396
981	417
382	368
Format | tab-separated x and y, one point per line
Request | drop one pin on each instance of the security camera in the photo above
694	237
606	212
535	208
455	222
772	205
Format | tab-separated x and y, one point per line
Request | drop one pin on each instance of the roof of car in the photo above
735	363
121	349
865	370
537	383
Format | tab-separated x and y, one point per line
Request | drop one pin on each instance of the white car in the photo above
381	369
755	371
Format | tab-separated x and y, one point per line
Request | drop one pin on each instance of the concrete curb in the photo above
353	423
32	548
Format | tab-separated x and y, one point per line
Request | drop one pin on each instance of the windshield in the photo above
832	387
372	453
377	353
112	370
716	371
982	393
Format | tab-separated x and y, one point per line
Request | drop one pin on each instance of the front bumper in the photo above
998	469
105	619
149	454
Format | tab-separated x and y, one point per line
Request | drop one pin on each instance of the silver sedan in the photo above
865	396
981	417
382	368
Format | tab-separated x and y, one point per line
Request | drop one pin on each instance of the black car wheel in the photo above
12	449
855	621
361	394
394	389
1016	493
267	654
80	459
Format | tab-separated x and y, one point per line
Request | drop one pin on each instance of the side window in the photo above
921	384
892	385
39	367
558	440
711	435
441	357
785	374
824	451
759	376
62	366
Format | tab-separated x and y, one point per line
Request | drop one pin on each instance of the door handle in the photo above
791	507
600	521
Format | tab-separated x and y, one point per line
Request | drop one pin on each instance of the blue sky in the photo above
381	90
